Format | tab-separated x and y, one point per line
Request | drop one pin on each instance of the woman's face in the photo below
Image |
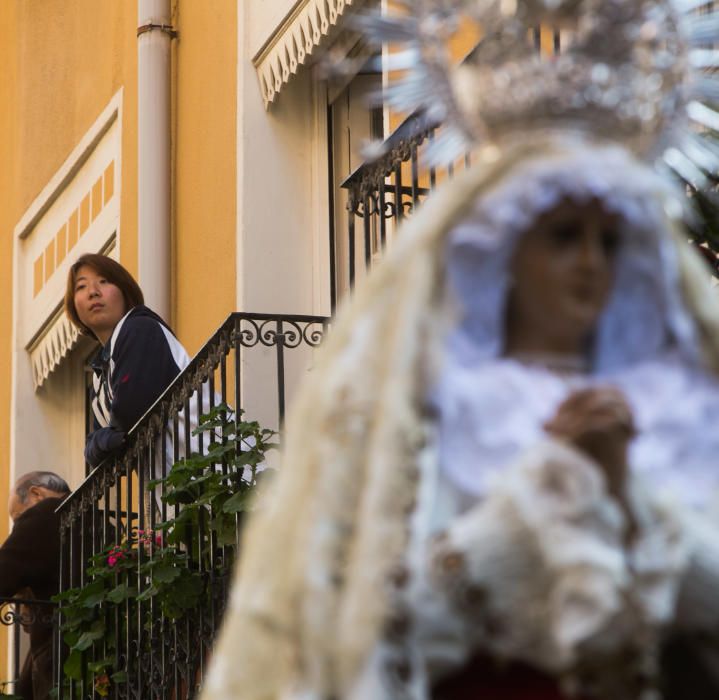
99	303
562	271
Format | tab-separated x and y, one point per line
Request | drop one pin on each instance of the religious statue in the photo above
501	478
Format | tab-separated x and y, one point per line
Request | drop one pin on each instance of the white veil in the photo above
645	314
647	342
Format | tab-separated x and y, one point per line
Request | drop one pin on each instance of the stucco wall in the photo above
282	188
205	166
264	17
8	88
72	58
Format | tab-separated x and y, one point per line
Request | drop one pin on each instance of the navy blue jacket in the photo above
138	363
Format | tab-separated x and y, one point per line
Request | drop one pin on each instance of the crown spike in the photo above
704	58
703	115
685	168
702	29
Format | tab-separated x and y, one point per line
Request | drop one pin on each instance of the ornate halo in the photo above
638	72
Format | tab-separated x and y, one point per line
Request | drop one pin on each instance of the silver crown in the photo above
639	72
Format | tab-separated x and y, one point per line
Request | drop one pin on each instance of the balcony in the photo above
137	531
146	562
148	550
382	192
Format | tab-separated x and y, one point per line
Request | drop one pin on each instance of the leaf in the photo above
147	593
165	573
120	593
237	502
66	595
187	589
98	666
119	677
225	529
93	594
73	665
87	638
249	458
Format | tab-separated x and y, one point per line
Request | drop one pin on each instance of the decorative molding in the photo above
53	344
77	212
58	336
300	33
69	168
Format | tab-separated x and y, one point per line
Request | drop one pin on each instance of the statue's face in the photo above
563	271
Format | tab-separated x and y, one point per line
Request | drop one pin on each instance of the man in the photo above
30	559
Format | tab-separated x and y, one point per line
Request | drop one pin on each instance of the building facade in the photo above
205	147
245	220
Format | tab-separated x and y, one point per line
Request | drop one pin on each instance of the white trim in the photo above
154	157
70	167
321	302
240	129
39	326
293	42
56	341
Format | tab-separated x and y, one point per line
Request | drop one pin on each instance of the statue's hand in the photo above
598	422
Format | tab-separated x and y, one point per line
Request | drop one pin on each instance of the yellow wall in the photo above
8	52
205	179
73	57
62	62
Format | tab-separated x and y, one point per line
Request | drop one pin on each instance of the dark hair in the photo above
48	480
113	272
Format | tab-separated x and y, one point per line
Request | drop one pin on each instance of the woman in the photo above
139	358
476	494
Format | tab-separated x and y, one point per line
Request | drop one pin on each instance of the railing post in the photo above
280	344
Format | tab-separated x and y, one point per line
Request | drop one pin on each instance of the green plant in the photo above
207	493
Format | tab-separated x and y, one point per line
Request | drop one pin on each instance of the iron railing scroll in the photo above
18	615
251	362
386	189
383	191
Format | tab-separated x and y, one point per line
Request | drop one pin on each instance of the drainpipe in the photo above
154	36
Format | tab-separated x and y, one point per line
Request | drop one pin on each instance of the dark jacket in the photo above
30	558
131	371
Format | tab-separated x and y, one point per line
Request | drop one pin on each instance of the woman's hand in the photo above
599	422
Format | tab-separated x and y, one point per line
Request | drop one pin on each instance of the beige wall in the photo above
282	207
282	188
264	17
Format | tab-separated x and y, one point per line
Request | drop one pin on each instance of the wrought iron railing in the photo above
381	192
253	361
19	615
384	190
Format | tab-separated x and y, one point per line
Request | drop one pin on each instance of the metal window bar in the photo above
252	362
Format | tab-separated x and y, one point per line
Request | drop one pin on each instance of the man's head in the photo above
34	487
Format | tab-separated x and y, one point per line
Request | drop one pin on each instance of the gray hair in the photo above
48	480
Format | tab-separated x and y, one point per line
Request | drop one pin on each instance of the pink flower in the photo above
112	560
147	538
102	685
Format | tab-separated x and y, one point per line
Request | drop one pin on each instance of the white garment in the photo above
492	413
